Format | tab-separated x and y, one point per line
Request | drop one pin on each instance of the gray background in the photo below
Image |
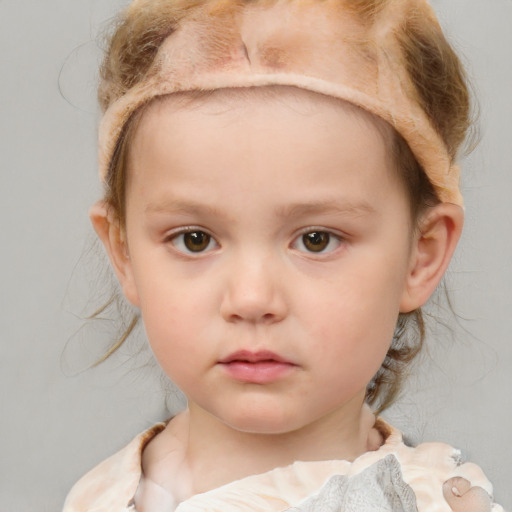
57	421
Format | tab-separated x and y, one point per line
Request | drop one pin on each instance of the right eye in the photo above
193	242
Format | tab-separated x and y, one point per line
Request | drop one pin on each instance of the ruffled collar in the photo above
111	486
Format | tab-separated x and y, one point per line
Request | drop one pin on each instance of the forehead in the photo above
241	134
252	101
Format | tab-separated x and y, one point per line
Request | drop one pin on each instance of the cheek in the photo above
353	318
183	326
358	308
169	309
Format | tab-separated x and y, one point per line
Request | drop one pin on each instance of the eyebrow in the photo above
356	209
329	207
182	207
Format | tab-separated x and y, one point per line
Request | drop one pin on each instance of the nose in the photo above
254	292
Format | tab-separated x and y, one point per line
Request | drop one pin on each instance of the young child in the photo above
281	198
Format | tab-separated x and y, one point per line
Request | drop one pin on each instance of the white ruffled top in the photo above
434	472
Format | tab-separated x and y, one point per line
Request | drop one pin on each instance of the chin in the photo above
258	427
262	421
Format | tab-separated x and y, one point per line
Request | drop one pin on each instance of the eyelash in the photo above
178	240
204	241
332	238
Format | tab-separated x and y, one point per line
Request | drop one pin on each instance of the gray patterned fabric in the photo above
378	488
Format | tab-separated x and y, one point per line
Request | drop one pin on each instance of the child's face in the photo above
267	225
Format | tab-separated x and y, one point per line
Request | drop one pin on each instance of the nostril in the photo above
235	318
266	318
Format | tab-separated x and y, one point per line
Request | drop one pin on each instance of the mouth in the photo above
254	357
261	367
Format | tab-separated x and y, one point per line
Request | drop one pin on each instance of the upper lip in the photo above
254	357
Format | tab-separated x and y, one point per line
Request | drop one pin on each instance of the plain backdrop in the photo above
57	421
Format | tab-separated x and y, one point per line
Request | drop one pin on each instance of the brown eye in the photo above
196	241
316	241
193	242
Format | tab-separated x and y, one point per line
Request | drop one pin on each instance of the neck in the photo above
218	453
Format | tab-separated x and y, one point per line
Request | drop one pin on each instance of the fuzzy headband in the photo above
318	45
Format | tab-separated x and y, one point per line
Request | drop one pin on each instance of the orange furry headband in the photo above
319	45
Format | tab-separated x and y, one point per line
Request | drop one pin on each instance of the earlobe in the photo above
107	227
433	248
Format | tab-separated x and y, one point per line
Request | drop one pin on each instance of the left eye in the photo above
193	242
317	242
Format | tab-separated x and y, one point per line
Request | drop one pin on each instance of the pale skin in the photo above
264	183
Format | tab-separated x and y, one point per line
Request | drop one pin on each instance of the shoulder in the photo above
111	485
437	474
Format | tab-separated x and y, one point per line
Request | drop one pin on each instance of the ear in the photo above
107	227
433	248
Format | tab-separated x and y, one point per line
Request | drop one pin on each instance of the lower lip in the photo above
261	372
